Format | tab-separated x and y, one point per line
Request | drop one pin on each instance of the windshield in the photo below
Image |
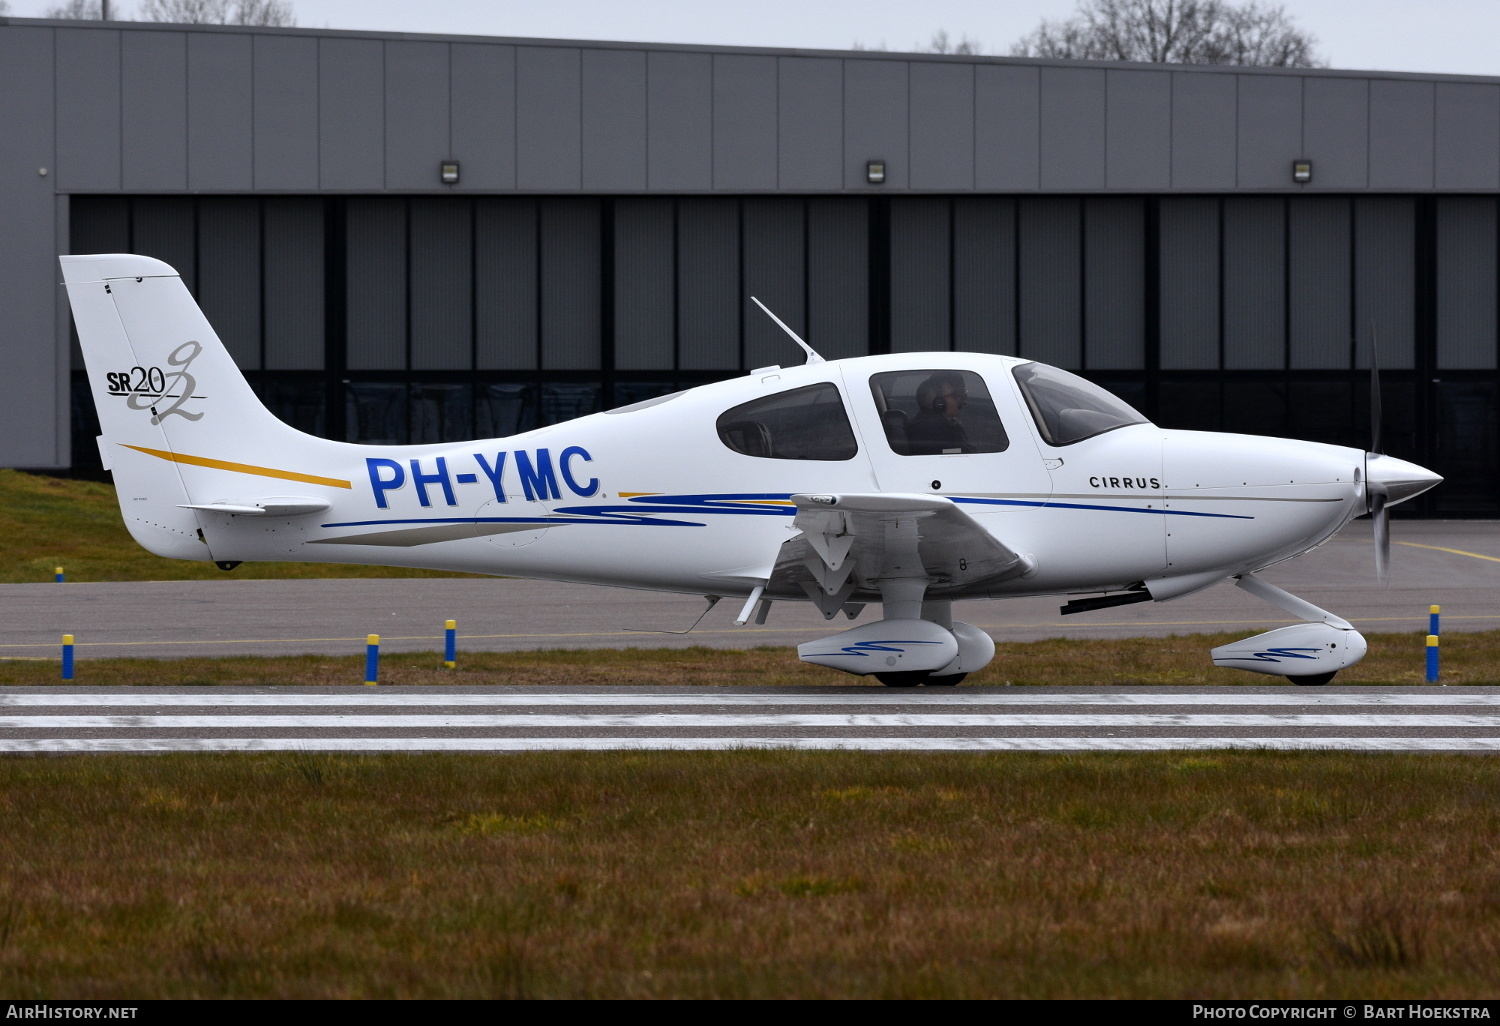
1067	408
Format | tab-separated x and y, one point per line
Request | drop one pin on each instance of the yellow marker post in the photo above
450	644
57	575
67	657
372	659
1432	658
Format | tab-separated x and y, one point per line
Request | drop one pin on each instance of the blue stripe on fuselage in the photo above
645	509
1049	504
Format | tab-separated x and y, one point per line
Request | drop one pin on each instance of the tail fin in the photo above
180	421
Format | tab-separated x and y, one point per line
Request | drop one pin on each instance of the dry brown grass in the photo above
1468	658
750	874
49	522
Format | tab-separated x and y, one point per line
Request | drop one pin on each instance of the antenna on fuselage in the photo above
812	354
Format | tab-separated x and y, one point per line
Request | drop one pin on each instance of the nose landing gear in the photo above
1307	654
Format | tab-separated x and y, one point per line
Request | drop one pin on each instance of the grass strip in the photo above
1394	659
49	522
751	874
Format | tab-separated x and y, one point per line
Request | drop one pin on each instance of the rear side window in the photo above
937	413
802	424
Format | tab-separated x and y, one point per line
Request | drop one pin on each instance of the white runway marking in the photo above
506	720
594	721
355	697
956	744
674	720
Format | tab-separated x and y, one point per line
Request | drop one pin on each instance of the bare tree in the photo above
220	12
1175	32
942	44
81	10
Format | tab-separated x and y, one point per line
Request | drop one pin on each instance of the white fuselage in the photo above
651	497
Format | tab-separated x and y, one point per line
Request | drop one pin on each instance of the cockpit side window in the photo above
1068	408
937	412
801	424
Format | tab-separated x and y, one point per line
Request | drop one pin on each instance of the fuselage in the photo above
684	494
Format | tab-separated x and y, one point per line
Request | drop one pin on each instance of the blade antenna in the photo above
812	354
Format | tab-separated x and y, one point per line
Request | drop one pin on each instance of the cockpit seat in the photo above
750	437
894	422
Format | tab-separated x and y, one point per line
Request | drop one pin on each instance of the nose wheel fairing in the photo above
1304	653
1301	650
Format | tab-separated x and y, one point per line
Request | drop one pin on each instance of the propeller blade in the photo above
1375	412
1380	517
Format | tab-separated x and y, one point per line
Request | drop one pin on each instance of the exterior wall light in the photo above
1301	171
875	172
449	170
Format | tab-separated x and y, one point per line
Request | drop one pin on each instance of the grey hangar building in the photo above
417	238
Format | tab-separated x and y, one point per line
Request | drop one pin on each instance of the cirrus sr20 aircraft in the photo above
913	480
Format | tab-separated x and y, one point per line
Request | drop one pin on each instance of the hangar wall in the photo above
618	203
395	319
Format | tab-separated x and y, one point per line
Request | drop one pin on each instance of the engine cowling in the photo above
886	646
1301	650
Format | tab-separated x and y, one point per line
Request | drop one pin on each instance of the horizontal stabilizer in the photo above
278	507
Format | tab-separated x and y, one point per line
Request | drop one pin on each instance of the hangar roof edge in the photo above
875	55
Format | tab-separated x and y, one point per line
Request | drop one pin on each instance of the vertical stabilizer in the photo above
180	423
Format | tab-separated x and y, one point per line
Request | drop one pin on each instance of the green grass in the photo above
750	874
52	521
1394	659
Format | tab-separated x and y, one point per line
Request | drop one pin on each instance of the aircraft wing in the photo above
851	542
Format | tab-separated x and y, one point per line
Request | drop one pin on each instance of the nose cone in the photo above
1397	479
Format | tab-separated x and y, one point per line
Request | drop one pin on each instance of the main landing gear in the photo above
913	678
917	643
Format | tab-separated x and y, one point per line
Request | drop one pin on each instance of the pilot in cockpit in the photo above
936	428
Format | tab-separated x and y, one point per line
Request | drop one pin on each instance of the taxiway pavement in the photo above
1453	563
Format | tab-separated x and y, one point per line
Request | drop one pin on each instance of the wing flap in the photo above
850	543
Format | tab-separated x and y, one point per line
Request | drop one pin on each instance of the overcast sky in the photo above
1454	36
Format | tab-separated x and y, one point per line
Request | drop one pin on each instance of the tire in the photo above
903	678
1313	680
949	681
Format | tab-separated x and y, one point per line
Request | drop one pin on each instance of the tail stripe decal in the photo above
241	468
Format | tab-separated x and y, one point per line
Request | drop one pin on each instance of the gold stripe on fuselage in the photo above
240	468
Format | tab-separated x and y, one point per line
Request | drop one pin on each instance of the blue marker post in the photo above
1432	619
372	659
1432	658
450	644
57	575
67	667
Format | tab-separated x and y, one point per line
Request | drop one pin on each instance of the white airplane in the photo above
912	480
